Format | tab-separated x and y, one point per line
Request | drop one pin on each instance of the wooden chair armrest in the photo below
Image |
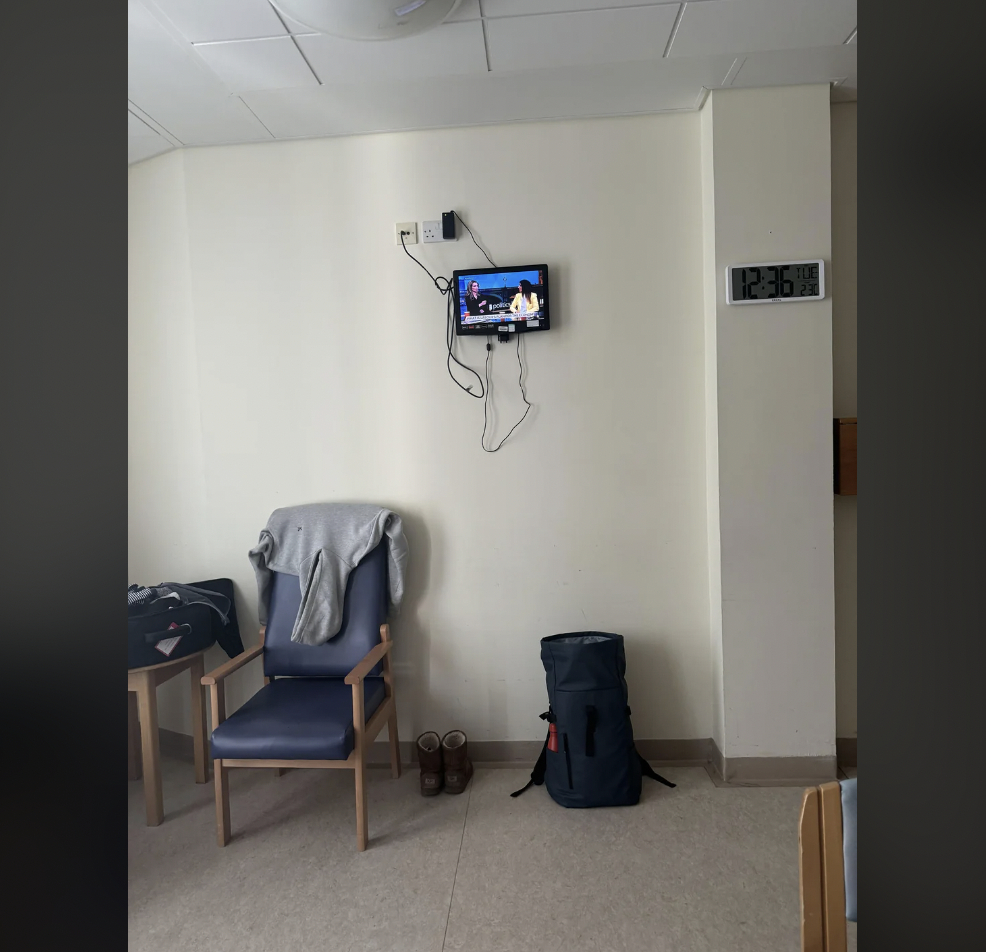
224	670
373	657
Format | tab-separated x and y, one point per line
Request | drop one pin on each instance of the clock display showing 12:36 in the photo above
775	282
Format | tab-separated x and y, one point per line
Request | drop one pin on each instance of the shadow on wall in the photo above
653	683
425	701
412	638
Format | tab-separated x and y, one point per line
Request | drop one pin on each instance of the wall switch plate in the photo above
410	229
431	231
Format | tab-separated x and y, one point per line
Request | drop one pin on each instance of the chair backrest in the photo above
364	611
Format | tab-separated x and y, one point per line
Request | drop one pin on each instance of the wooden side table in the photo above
144	749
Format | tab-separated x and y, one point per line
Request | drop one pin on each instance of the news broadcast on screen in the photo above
490	297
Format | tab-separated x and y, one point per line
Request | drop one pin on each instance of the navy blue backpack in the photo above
588	758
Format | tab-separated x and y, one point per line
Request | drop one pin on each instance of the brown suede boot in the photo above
458	766
430	760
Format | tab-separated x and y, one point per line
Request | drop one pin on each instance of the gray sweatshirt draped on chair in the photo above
322	543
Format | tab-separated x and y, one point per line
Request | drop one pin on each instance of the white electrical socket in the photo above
410	229
431	231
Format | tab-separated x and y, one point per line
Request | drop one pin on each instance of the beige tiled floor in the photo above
694	868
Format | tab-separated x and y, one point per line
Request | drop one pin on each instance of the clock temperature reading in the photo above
775	283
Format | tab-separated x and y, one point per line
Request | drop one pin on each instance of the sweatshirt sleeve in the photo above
397	552
323	592
259	556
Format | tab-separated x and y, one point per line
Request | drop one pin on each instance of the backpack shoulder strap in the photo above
648	771
537	774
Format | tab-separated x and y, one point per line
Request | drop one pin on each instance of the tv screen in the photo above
488	300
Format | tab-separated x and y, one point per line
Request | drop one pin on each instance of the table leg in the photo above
149	743
199	738
133	738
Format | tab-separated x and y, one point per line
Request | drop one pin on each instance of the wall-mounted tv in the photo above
488	300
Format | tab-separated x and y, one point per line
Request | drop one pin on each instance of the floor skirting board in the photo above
770	771
739	771
507	753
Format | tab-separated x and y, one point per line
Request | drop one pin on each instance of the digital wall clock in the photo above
775	283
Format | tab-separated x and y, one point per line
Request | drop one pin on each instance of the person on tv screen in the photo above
526	301
475	303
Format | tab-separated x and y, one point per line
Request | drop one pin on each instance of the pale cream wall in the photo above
320	374
770	194
250	387
167	497
844	398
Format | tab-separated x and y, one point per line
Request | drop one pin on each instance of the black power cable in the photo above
446	289
476	243
489	387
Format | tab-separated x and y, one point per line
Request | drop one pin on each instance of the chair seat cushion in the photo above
295	719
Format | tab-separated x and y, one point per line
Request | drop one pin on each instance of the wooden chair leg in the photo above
150	749
200	741
395	745
359	747
133	738
361	821
278	771
222	802
388	680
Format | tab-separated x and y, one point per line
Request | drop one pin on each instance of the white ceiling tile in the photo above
467	10
513	8
573	92
258	64
202	21
569	39
749	26
137	128
169	83
449	49
796	67
294	26
144	147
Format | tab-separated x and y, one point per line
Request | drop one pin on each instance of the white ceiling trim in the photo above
154	124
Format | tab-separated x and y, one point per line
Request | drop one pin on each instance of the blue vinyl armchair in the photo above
320	706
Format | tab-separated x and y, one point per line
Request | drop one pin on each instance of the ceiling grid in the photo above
212	72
